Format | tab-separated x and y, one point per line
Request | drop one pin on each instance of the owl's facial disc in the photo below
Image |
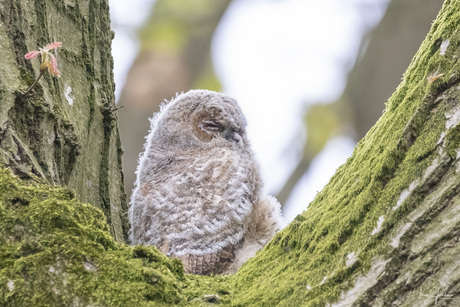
212	128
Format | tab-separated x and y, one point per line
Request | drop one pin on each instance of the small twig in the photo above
33	84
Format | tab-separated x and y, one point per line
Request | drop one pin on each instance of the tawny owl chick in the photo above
198	190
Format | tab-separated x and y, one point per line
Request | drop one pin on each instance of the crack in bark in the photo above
402	257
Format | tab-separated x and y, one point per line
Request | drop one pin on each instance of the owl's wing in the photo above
265	222
211	264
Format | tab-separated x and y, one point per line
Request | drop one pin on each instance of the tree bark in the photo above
65	130
383	232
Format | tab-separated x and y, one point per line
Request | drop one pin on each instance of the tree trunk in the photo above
383	232
65	130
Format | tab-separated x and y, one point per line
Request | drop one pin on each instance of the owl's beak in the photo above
235	137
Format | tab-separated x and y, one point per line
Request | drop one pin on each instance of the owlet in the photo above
198	195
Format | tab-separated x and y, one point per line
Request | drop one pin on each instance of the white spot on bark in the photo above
114	208
351	259
401	232
379	226
453	118
401	199
10	285
50	139
457	165
89	267
444	46
430	169
68	95
324	280
441	138
404	194
362	284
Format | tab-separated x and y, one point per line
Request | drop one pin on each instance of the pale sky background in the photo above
277	56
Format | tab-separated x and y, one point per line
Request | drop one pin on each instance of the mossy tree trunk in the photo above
383	232
65	130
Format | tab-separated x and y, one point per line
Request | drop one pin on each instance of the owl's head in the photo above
200	118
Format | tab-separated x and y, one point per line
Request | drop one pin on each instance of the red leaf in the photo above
53	45
32	54
53	67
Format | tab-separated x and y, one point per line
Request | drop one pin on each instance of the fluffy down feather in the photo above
198	193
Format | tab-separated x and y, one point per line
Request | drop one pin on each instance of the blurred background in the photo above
312	77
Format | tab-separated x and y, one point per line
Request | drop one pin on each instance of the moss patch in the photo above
57	251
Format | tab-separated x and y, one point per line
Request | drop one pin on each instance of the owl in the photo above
198	192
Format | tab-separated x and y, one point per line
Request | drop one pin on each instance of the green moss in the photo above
57	251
